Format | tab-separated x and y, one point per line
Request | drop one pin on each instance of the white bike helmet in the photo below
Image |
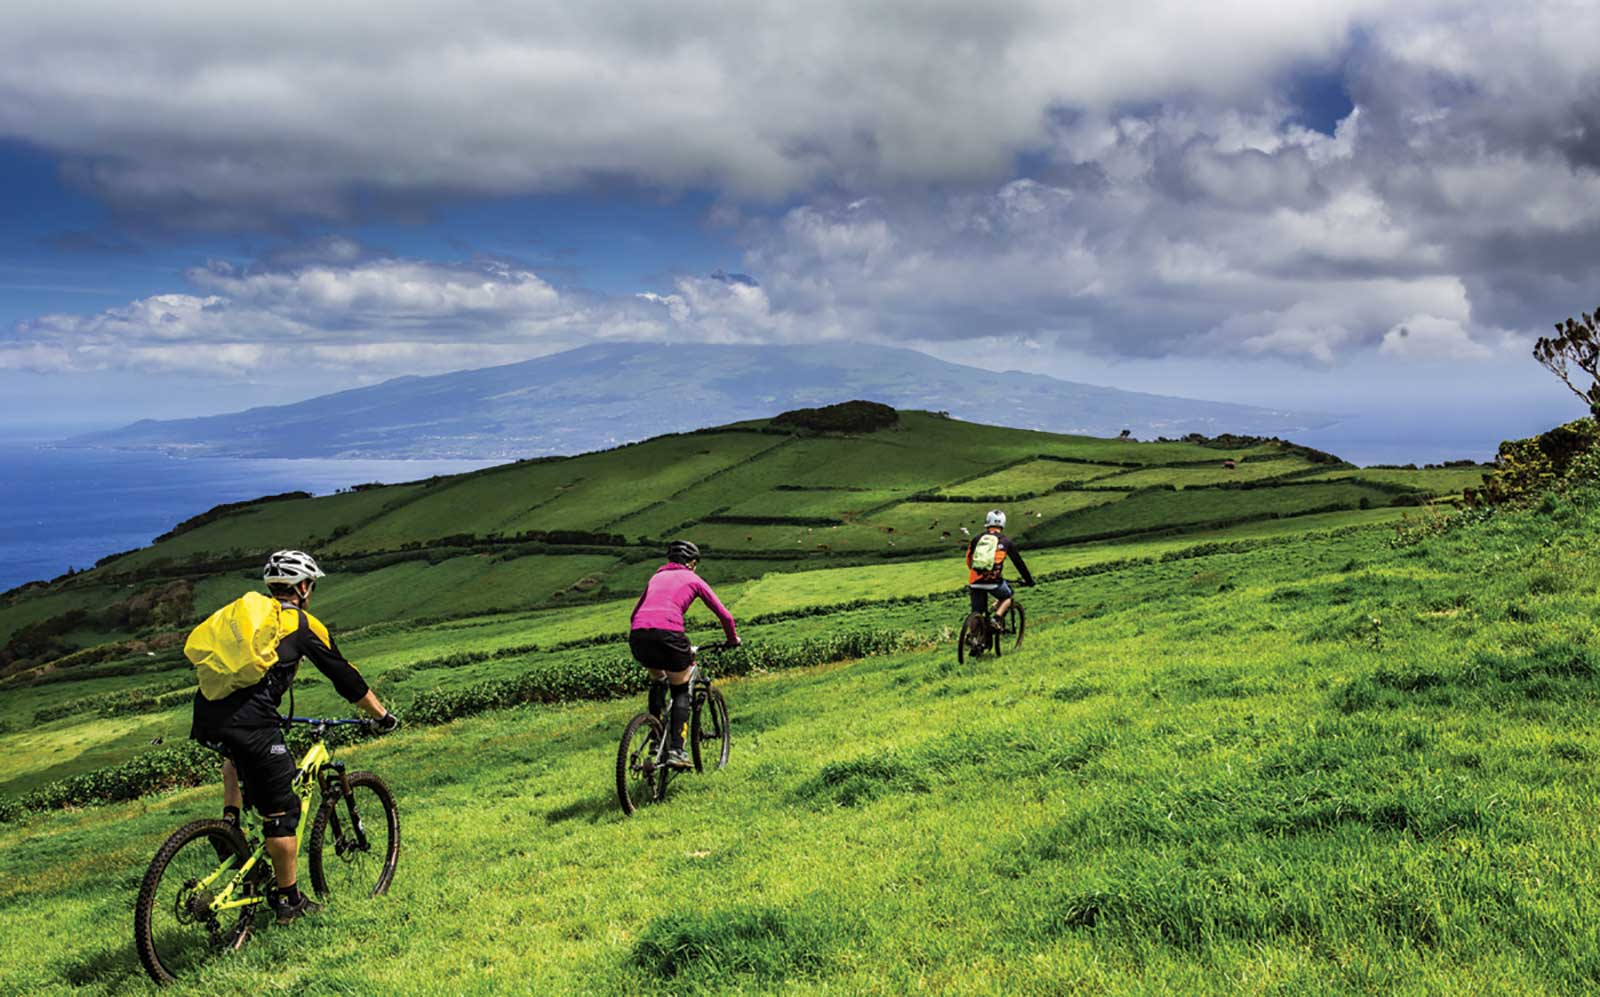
290	567
995	518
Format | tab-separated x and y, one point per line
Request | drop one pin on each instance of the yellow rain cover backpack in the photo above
236	645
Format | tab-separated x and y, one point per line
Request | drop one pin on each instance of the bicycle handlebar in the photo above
340	722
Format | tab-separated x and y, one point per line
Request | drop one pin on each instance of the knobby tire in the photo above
969	642
166	945
635	759
340	862
709	726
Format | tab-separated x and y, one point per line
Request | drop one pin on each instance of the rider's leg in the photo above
1003	596
268	772
658	693
680	715
231	797
285	854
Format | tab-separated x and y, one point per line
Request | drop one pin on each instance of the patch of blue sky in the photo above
62	250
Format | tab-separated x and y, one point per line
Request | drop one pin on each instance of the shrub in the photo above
1525	469
845	417
41	641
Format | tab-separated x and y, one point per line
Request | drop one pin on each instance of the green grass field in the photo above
1321	765
1031	478
1250	744
1435	480
1189	477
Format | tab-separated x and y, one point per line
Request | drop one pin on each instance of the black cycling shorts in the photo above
666	650
262	759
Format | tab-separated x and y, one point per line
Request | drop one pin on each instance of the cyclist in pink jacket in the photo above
658	642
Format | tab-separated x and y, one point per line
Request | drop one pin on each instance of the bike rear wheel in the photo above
708	732
636	762
355	840
974	638
173	929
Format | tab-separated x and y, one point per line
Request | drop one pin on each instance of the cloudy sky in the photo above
1358	206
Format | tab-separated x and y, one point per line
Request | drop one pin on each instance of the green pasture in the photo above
782	592
578	493
835	503
1434	480
1030	478
1160	510
1189	477
1329	766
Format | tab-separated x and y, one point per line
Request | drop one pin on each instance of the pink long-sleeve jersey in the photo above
672	588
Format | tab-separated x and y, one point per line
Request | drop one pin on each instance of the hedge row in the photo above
182	764
172	767
556	680
120	702
772	520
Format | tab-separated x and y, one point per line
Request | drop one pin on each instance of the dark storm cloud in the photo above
1256	179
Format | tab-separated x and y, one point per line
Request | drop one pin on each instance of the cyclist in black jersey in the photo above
981	584
245	726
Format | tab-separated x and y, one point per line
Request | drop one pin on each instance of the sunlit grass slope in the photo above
1317	767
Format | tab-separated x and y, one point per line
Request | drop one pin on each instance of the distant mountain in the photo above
602	395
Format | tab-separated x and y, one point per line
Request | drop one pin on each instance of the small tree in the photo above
1576	344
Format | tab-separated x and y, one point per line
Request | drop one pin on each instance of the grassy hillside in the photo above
759	498
1263	761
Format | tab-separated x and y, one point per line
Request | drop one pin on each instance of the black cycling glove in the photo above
387	723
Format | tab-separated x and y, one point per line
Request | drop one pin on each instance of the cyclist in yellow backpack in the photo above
246	656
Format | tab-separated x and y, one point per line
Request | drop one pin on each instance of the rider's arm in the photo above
1022	569
319	647
371	705
704	591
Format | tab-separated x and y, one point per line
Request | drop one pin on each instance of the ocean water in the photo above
66	508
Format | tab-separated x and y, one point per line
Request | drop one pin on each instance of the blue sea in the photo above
66	508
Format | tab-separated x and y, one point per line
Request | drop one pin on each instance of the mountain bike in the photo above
642	772
981	632
209	879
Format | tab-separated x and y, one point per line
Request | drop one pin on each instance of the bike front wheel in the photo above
174	929
355	840
709	736
636	762
1016	622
